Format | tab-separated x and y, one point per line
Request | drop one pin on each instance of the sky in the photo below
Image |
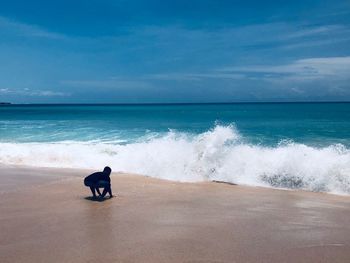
118	51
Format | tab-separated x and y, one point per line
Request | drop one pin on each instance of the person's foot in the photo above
111	196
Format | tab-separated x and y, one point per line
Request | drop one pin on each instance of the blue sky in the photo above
174	51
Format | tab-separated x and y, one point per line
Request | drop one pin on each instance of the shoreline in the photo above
74	172
153	220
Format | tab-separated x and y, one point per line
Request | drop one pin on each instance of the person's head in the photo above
107	170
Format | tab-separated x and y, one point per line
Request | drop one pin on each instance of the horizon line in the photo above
173	103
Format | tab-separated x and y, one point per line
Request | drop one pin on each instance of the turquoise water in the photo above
317	124
284	145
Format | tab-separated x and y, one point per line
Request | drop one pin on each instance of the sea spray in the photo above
220	154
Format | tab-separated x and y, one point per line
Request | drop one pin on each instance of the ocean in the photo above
281	145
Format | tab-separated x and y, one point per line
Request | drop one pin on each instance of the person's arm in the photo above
98	191
107	189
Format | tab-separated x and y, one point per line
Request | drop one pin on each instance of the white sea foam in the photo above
219	154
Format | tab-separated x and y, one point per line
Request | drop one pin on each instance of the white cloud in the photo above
194	76
110	83
255	36
28	30
34	93
302	69
318	30
50	93
316	43
4	90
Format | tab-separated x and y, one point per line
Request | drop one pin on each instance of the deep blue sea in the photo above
284	145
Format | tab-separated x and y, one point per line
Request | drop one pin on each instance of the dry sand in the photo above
47	218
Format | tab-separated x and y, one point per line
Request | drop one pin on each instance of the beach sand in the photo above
46	217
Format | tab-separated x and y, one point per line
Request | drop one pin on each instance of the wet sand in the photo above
47	217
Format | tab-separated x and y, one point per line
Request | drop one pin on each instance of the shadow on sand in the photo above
96	199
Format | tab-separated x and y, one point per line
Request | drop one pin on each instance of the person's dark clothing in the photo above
99	180
92	179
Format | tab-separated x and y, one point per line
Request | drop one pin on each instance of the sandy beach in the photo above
45	216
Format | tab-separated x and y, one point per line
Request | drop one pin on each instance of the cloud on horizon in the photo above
303	69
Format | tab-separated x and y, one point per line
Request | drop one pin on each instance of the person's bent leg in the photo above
110	191
104	192
93	191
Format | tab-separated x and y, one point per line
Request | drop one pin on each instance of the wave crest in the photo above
219	154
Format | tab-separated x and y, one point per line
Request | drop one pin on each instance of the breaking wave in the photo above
220	154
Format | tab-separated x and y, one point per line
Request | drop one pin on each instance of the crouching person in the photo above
100	180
